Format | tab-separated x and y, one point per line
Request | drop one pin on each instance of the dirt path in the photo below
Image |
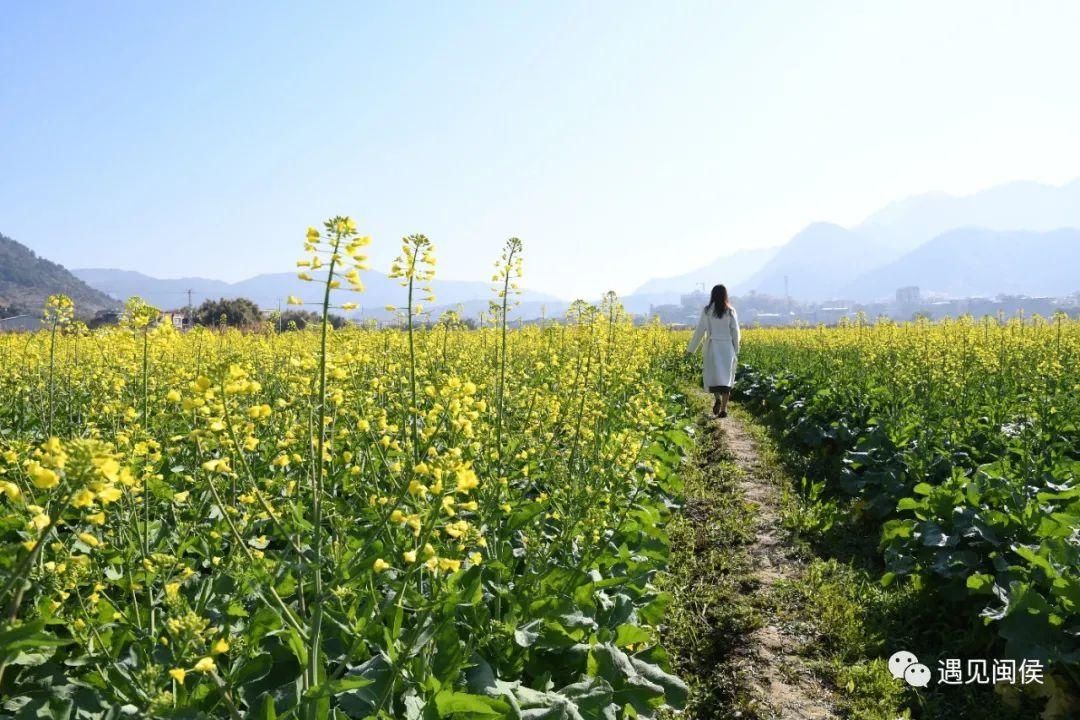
779	677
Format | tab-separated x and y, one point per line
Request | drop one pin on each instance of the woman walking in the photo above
719	326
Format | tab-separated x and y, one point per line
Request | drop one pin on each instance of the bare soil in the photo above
778	676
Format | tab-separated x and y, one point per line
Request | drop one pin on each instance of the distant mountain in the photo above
823	261
974	262
941	243
1014	206
818	263
26	280
164	294
268	290
730	269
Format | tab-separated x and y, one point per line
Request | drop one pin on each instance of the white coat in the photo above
721	335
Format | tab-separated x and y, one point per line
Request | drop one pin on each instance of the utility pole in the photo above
279	316
190	317
787	297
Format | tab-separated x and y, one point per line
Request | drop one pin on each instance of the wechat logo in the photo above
904	665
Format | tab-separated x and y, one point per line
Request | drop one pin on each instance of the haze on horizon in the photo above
620	141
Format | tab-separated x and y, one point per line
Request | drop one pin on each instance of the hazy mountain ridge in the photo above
731	269
1020	205
26	280
814	261
975	262
271	289
901	244
872	259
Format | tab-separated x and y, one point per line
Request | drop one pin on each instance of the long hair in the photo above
718	301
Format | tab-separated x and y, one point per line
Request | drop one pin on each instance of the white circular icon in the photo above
917	675
900	661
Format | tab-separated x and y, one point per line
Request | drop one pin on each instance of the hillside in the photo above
161	293
826	261
26	280
818	262
1032	206
730	269
268	290
978	262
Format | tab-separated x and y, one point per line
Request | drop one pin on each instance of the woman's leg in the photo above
716	403
723	398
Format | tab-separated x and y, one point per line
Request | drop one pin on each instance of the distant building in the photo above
831	314
20	323
177	319
770	318
908	295
695	300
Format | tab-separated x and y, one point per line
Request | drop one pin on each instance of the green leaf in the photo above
1034	557
263	622
254	669
909	503
675	690
465	705
631	635
362	700
267	711
27	636
980	583
1067	592
297	645
527	634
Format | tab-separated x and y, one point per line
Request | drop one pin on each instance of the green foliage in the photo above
181	581
711	615
300	319
954	441
853	622
234	312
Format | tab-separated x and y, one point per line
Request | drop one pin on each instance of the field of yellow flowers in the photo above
419	522
958	442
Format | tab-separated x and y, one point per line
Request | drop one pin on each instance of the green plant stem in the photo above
315	631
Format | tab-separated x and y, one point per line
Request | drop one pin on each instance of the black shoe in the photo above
723	413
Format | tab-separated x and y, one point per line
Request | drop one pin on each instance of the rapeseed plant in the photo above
358	521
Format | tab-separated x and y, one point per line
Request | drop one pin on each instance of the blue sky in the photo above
619	140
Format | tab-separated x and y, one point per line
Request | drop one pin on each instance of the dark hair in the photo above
718	301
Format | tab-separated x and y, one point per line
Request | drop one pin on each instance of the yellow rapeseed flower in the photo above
467	480
204	665
42	477
109	494
82	498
